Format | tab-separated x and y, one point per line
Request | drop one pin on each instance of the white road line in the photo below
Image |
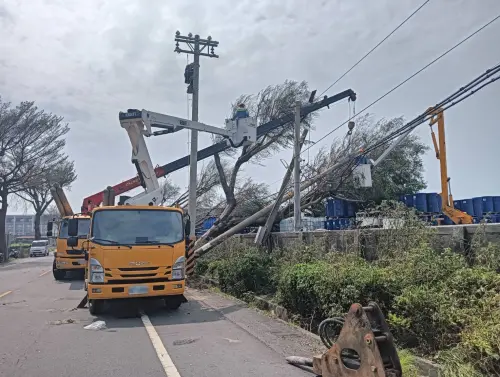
161	352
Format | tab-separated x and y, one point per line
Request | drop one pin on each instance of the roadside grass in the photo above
439	304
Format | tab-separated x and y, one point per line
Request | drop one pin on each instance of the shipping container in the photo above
420	202
434	202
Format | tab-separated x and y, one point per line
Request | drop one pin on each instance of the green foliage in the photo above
250	272
436	303
407	360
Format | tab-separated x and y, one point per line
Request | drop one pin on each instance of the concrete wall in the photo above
368	241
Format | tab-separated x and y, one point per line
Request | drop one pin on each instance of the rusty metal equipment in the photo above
364	347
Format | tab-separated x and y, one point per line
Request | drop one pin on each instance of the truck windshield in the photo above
137	227
39	243
83	228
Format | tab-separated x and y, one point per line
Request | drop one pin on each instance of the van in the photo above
39	248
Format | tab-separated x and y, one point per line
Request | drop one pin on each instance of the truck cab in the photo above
69	258
133	251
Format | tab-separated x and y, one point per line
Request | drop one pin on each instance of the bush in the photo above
250	272
322	289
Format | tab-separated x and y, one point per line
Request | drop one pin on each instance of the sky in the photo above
88	60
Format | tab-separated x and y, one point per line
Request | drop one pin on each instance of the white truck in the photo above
39	248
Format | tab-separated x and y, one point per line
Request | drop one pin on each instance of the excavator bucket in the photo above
364	348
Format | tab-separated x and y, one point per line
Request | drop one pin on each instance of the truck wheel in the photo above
58	274
173	302
96	306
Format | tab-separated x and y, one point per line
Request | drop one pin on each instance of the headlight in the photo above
178	269
96	271
97	277
95	266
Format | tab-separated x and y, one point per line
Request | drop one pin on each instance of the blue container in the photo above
409	200
420	202
329	224
496	203
457	204
350	209
488	204
467	206
434	202
477	203
335	208
336	224
338	210
402	198
208	223
447	221
329	208
344	223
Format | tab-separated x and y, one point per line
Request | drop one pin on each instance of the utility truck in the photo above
67	259
137	248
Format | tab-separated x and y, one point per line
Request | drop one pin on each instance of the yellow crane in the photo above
455	215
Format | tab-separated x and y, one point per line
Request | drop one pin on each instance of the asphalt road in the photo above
43	335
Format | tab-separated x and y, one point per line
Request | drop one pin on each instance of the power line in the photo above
375	47
461	94
405	81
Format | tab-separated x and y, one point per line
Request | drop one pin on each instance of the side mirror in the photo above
73	227
72	241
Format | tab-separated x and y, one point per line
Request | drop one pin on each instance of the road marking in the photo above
161	352
44	273
5	294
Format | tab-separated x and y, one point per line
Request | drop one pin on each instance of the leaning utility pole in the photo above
296	169
192	77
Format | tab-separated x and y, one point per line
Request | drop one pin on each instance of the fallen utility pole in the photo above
264	211
265	230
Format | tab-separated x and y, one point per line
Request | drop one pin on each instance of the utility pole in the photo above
192	77
296	169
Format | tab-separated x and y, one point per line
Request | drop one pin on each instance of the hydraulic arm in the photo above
457	216
174	124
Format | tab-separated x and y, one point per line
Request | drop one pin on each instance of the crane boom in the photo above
161	171
457	216
61	201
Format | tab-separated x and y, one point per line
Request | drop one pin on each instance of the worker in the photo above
241	112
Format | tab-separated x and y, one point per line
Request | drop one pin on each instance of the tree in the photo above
271	103
170	190
31	142
37	191
400	173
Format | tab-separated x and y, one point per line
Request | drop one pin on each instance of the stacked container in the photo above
339	214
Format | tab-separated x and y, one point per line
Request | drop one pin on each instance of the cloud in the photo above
88	60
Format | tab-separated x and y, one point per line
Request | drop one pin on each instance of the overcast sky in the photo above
88	60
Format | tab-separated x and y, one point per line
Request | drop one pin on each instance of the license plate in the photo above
138	290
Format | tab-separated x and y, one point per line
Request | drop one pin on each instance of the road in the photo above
43	335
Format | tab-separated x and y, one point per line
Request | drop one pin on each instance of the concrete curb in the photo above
427	368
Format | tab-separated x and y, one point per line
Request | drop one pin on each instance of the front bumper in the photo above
65	263
119	291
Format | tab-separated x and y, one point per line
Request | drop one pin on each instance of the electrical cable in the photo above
473	87
457	97
406	80
375	47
